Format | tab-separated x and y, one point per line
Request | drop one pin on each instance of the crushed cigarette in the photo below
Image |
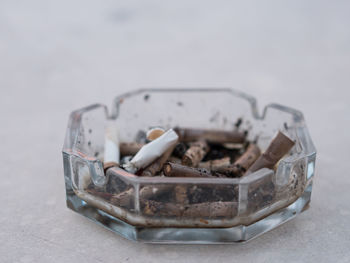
152	151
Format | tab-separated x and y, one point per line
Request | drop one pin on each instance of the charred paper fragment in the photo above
242	164
211	136
111	149
152	151
178	170
215	165
195	153
279	147
130	148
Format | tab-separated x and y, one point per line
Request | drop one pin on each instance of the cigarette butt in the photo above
215	165
195	153
178	170
242	164
111	147
278	147
211	136
157	165
151	151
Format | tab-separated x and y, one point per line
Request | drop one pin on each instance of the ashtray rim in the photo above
75	119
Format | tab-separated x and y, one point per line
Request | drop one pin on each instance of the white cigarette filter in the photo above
111	151
151	151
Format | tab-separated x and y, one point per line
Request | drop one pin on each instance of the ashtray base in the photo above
167	235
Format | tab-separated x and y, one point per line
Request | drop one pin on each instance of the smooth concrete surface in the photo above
57	56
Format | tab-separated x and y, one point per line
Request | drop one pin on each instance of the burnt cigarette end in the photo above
243	163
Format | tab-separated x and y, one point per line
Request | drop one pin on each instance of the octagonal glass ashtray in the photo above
216	209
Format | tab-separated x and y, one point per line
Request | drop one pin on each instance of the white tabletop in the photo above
57	56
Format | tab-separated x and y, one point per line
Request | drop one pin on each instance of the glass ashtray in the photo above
221	210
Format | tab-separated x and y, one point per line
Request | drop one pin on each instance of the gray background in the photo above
57	56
